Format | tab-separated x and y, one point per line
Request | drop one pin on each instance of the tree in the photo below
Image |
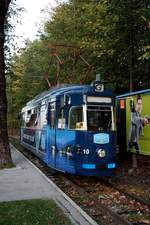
5	157
25	77
114	36
116	33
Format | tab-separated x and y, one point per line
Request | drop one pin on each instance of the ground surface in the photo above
32	212
26	182
136	181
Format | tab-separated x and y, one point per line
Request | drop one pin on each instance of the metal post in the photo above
98	77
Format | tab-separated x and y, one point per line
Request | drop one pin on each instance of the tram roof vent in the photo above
98	77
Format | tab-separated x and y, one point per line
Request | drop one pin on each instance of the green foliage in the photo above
13	17
114	32
114	36
25	77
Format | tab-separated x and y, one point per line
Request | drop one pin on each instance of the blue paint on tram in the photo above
72	129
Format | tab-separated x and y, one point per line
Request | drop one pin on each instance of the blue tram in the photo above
72	129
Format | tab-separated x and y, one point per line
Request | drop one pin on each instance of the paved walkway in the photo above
26	181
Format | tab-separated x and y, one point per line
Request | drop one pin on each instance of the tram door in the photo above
52	135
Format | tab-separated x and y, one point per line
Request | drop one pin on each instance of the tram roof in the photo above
59	91
133	93
56	91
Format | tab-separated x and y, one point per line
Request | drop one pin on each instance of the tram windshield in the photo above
92	118
99	118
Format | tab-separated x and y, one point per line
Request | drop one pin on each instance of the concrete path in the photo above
26	181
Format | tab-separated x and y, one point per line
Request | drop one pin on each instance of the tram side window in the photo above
23	124
43	115
61	119
52	121
52	115
27	119
37	119
28	114
76	118
31	118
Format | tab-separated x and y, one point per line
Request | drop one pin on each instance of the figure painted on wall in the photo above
137	124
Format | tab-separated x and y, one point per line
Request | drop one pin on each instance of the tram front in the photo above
96	134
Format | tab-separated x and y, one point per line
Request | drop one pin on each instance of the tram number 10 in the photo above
86	151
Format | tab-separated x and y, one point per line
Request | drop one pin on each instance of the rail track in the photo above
123	207
100	198
128	194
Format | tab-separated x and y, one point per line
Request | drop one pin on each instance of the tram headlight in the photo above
101	153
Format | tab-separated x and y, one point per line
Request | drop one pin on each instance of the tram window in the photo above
52	115
52	119
37	119
28	115
99	118
76	118
31	122
61	119
23	120
31	118
43	115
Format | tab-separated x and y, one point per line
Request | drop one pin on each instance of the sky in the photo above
31	19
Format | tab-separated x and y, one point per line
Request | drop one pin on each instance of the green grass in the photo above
32	212
7	166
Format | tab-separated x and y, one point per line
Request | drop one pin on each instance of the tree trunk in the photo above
5	156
